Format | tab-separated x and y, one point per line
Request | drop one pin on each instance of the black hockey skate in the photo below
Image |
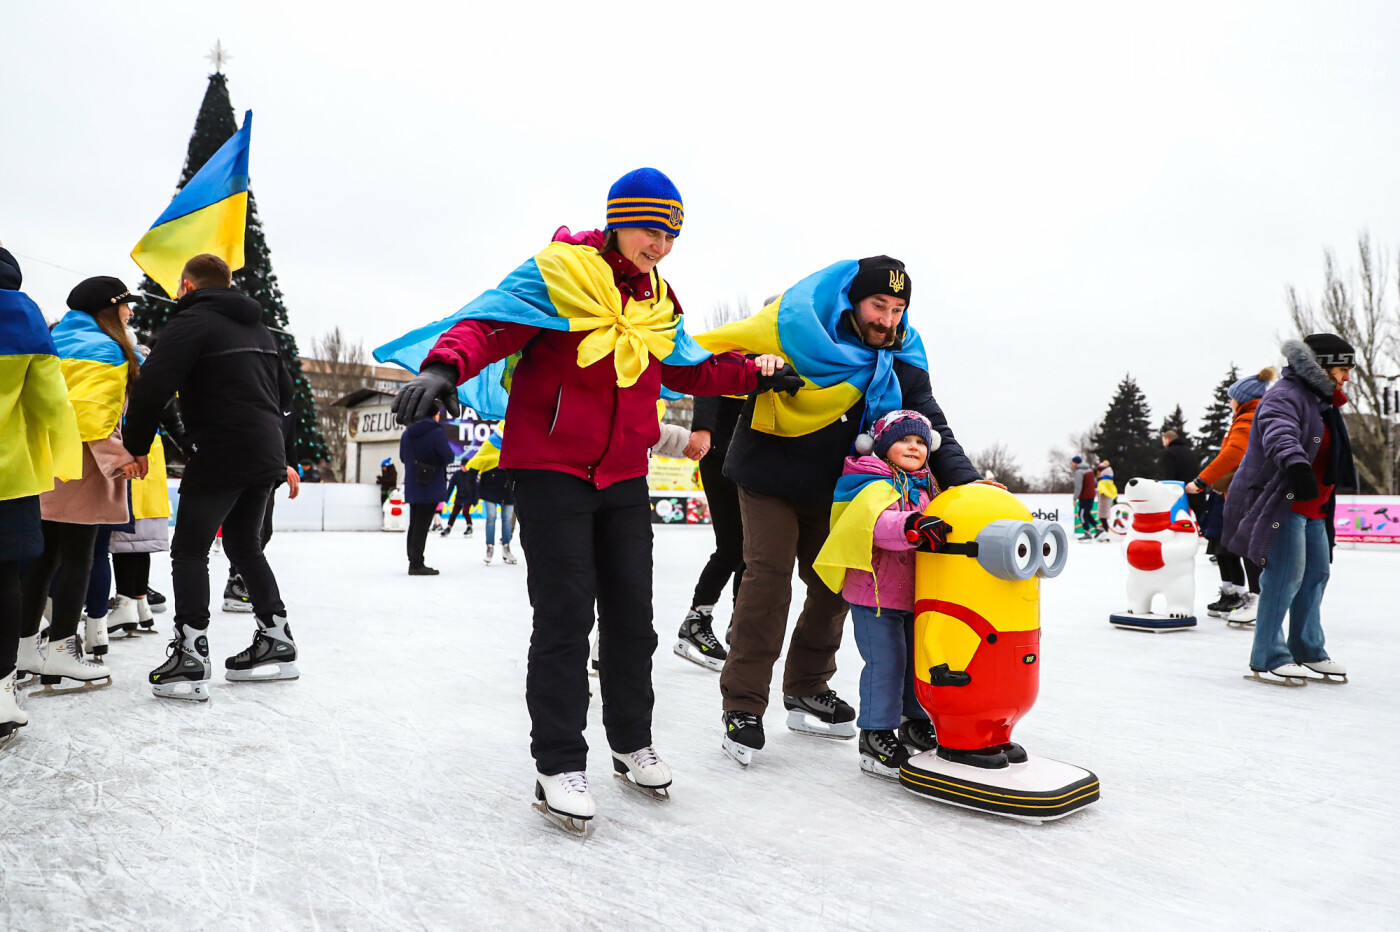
825	715
185	673
882	754
918	734
697	642
236	596
1227	603
743	734
272	656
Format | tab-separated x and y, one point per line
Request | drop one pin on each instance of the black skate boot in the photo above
155	600
882	754
986	759
918	734
825	715
1227	603
272	655
236	596
743	734
185	673
697	642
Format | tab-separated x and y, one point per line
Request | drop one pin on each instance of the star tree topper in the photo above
218	56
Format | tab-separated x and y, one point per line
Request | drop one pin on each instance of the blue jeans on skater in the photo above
506	512
886	643
1293	581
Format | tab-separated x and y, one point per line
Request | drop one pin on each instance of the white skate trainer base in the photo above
390	786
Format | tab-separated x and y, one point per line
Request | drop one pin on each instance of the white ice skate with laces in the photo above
644	771
1243	617
65	660
11	717
1288	674
1327	671
564	800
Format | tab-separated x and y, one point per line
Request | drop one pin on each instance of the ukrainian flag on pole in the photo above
210	214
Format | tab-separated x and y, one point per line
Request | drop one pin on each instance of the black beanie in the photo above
880	275
1331	350
10	277
101	291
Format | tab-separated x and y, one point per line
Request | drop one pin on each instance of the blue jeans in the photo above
506	512
886	643
1293	581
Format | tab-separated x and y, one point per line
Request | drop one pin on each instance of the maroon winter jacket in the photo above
576	420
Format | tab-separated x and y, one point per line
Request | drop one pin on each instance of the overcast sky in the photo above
1078	191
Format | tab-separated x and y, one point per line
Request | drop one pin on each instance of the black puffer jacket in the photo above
497	485
235	393
804	469
1180	462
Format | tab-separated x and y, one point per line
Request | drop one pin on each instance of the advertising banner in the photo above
673	475
1368	519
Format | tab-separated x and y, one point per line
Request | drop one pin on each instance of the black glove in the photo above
1303	481
435	385
785	379
926	532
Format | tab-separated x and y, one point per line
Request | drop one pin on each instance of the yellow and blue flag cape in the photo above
570	288
209	215
857	503
38	430
804	326
94	367
489	456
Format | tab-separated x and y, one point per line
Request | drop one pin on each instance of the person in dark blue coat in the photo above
464	484
425	453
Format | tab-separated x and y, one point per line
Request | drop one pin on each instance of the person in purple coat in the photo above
425	452
1281	507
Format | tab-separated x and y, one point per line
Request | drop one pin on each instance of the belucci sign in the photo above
367	425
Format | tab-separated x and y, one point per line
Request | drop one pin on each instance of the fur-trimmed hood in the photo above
1303	364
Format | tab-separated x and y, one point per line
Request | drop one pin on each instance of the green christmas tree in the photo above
1125	436
1175	421
212	128
1215	424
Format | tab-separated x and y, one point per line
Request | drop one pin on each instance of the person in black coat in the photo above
425	453
497	490
464	484
1182	464
235	395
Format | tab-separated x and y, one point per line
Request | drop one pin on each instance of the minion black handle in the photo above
942	676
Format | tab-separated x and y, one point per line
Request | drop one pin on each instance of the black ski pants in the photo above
420	519
727	522
587	549
266	531
240	511
65	565
11	605
1086	515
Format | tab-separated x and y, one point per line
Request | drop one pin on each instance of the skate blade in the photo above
651	792
238	608
571	824
1289	681
874	768
121	632
147	629
9	732
188	690
741	754
264	673
686	651
804	723
1239	624
86	686
157	609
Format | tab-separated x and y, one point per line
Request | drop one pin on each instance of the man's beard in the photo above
878	339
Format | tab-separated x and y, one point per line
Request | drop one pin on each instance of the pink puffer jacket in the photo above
893	556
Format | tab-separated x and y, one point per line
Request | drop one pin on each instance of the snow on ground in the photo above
390	786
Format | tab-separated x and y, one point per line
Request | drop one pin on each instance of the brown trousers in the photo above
777	532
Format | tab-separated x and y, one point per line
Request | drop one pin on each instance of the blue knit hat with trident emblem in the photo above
645	198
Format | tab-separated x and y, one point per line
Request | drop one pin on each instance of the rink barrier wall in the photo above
321	506
1363	521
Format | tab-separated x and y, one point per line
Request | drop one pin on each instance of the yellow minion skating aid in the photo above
977	659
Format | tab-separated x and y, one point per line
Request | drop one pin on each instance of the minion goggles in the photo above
1016	550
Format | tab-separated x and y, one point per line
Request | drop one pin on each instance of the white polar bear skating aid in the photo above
1161	550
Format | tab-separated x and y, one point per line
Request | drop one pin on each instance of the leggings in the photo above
10	608
100	579
133	572
1235	569
67	561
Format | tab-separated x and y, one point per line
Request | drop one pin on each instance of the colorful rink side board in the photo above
977	659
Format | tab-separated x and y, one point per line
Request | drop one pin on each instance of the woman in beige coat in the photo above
97	357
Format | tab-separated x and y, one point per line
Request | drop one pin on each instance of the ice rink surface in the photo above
390	786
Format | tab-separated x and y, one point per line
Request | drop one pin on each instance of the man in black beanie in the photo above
786	485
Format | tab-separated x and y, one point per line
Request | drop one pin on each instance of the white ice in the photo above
390	786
